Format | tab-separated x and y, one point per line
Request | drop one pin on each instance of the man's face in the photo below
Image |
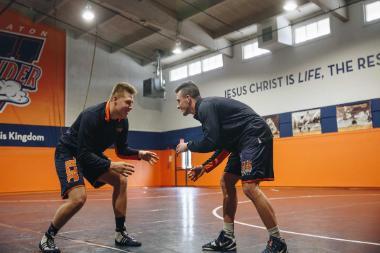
123	104
183	103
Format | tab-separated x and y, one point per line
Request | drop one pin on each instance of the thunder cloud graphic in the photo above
11	91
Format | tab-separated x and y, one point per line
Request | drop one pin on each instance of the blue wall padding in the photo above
13	134
375	110
145	140
171	138
328	119
286	124
19	135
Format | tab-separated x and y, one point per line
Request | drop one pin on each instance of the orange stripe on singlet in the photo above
107	112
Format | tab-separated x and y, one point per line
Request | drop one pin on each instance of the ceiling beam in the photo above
39	18
253	19
189	9
130	39
106	20
337	7
197	35
156	17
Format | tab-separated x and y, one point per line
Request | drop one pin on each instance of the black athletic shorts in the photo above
71	174
254	162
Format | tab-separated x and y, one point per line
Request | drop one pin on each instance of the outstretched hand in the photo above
195	173
148	156
122	168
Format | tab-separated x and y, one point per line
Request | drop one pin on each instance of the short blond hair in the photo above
120	88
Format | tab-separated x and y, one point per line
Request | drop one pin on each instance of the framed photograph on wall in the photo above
273	122
354	116
306	122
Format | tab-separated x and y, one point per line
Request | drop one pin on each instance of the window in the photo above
195	68
178	73
186	160
212	62
312	30
252	50
372	11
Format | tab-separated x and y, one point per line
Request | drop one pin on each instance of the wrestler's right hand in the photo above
195	173
122	168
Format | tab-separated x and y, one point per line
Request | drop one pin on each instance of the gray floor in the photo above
181	220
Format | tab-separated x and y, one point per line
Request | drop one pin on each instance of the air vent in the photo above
275	33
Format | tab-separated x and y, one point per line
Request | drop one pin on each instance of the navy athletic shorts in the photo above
254	162
71	174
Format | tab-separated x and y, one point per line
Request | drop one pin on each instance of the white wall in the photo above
348	41
109	68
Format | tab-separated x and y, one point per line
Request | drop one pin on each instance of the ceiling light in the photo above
290	6
88	14
177	48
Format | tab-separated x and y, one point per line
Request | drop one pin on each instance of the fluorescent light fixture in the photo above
290	5
177	48
88	14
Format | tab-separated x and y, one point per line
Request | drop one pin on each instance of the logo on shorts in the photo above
71	170
246	167
19	73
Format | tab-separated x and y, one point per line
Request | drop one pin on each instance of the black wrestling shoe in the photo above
122	238
223	243
47	244
276	245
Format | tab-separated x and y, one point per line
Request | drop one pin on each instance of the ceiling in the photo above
141	27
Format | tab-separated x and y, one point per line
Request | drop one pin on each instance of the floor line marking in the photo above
74	231
310	211
65	238
214	212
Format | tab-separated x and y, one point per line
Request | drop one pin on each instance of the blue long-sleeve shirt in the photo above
92	133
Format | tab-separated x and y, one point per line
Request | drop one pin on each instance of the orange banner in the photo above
32	72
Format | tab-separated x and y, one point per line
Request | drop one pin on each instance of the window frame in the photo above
188	68
365	3
256	56
178	67
208	57
187	64
308	22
